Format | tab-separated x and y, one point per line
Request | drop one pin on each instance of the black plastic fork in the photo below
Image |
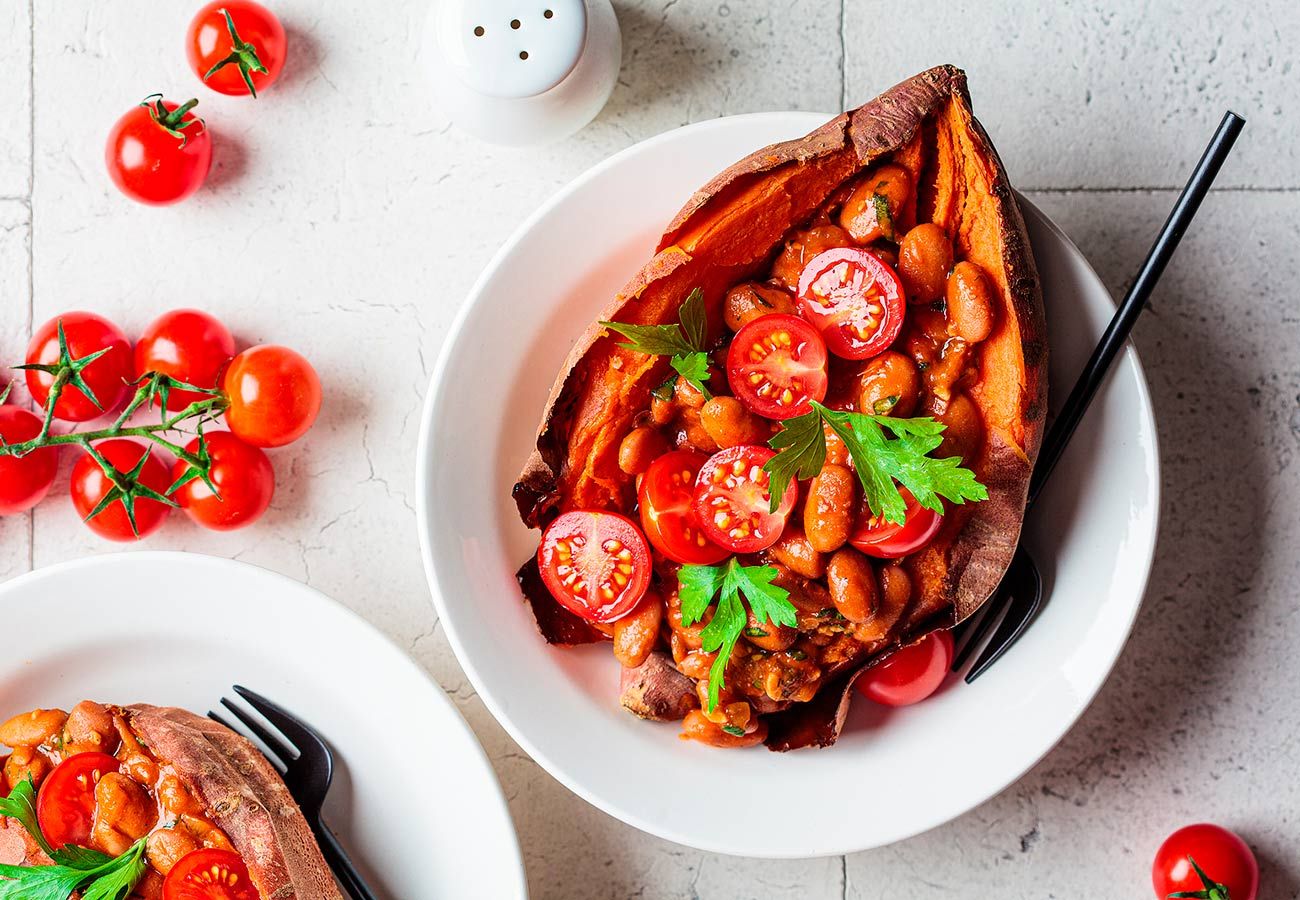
1020	594
307	764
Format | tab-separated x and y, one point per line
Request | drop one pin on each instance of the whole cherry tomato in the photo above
913	673
242	475
776	366
24	480
106	375
159	152
190	346
1229	866
90	485
209	874
274	395
666	497
596	564
236	46
65	807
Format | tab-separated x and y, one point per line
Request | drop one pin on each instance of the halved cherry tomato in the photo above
911	674
667	500
1224	857
274	395
854	299
65	807
106	376
888	540
777	365
209	874
733	503
595	563
90	484
24	481
190	346
244	479
239	63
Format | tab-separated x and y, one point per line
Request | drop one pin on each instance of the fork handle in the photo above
1117	332
340	864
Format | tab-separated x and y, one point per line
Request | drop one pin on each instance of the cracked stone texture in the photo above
346	218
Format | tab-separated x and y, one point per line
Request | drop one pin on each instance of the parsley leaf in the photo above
697	586
112	879
881	462
683	342
20	806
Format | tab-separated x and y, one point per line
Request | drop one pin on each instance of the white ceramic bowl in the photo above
892	774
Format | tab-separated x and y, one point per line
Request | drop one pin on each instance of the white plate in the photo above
415	800
891	775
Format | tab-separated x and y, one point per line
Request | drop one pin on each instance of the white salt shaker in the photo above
522	72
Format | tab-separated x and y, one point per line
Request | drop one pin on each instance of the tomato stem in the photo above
242	54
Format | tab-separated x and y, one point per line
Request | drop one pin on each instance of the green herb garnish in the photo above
96	875
879	459
700	584
682	343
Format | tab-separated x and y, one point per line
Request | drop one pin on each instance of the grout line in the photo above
844	60
31	225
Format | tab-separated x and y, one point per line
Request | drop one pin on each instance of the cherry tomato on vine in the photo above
209	874
777	365
666	497
875	536
242	475
24	480
854	299
106	375
1231	870
190	346
90	485
159	152
911	674
65	806
733	503
274	395
595	563
236	46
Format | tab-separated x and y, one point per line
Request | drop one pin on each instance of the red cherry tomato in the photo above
243	477
209	874
25	480
877	537
106	376
228	53
274	395
667	500
596	564
159	153
854	299
89	486
65	807
776	365
190	346
911	674
1223	856
733	503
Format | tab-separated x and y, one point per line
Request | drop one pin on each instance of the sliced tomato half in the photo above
65	807
777	365
210	874
855	299
877	537
595	563
733	502
667	501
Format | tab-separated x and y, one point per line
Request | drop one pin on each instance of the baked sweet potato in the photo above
983	374
198	784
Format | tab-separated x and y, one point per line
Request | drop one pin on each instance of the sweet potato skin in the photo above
728	231
245	797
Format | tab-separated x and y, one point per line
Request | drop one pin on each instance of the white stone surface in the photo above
346	219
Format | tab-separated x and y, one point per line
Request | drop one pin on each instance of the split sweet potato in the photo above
730	231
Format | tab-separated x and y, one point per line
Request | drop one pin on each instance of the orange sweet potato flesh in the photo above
729	231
